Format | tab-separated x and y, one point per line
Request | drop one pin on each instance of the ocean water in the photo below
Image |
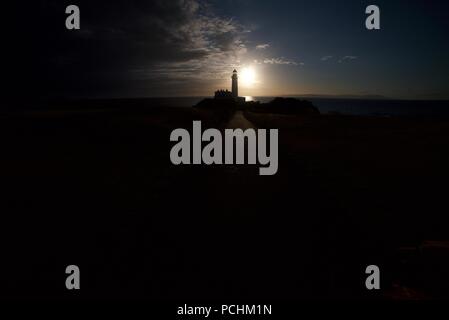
371	107
415	108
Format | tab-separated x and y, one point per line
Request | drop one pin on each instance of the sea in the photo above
345	106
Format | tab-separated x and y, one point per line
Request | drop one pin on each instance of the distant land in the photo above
344	96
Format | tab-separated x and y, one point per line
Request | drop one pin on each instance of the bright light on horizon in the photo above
248	77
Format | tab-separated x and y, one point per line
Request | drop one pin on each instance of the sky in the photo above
157	48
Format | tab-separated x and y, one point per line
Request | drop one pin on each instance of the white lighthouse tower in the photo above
235	85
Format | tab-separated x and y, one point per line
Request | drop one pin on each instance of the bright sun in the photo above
247	77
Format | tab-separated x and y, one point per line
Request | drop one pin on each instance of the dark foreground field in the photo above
97	189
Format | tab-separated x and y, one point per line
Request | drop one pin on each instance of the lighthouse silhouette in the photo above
235	85
231	95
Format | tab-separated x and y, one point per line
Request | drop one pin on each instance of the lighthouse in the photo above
235	85
231	95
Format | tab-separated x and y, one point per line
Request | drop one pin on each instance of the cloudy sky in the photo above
190	47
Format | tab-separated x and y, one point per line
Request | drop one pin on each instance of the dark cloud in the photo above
347	58
122	47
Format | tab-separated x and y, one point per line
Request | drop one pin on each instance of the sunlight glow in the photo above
247	77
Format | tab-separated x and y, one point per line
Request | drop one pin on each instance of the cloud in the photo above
262	46
218	42
123	46
325	58
281	61
347	58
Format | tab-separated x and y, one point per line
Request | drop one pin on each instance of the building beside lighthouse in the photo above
231	95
